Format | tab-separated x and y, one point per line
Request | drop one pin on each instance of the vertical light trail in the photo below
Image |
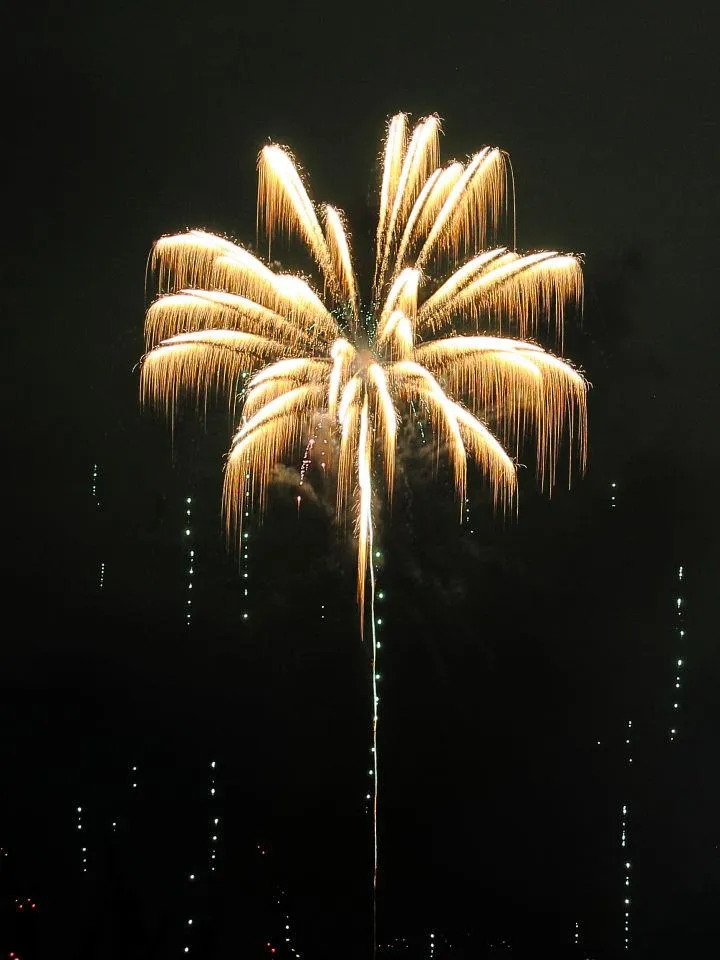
509	167
189	923
214	820
624	844
190	559
80	829
323	446
245	547
213	840
94	480
375	718
680	659
376	623
305	466
624	809
288	932
245	571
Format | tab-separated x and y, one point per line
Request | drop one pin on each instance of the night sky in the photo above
510	647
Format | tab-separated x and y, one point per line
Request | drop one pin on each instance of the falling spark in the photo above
80	826
624	843
96	500
190	560
679	661
419	349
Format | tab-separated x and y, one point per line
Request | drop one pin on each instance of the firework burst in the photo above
428	341
442	336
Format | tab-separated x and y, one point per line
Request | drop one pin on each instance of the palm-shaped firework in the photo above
336	367
346	370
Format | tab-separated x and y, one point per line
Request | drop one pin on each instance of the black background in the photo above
509	652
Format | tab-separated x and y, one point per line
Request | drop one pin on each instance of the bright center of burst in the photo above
362	360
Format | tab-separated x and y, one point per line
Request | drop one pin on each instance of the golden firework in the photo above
427	342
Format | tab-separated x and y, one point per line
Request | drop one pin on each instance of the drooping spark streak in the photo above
419	383
402	296
188	258
339	250
284	205
425	347
364	465
278	378
439	193
460	279
421	158
386	418
394	153
415	214
476	194
341	354
527	287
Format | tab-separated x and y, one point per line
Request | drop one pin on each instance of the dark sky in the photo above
510	651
